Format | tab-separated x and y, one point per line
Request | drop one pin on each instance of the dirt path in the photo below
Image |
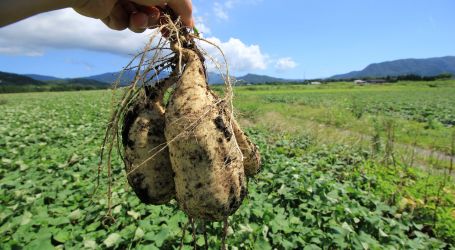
422	156
436	155
424	159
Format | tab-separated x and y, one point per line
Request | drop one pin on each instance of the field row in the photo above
311	193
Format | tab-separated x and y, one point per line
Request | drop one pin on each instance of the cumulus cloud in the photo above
285	63
66	29
240	57
201	25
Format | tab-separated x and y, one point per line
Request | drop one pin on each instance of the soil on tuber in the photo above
191	149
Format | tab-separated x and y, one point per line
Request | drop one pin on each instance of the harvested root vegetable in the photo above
147	163
209	176
251	156
194	150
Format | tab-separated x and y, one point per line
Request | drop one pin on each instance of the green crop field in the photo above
344	167
421	110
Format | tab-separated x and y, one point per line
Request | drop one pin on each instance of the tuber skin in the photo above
143	138
209	177
251	156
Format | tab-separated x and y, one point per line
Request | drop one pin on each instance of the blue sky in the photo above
292	39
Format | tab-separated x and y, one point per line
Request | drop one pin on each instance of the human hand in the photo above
137	15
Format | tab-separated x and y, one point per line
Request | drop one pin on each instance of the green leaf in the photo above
262	244
347	227
382	234
112	240
75	215
161	237
311	247
92	227
138	234
26	218
200	242
62	236
90	244
59	221
134	214
149	247
41	244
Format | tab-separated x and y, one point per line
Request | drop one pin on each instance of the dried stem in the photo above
185	227
204	231
193	229
225	232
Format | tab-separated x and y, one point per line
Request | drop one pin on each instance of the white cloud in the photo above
240	57
285	63
220	11
18	50
201	25
66	29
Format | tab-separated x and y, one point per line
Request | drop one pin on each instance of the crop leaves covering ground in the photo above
49	145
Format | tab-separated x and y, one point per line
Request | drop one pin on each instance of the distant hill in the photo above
213	78
13	83
79	81
127	77
42	78
255	79
422	67
15	79
111	77
82	81
105	80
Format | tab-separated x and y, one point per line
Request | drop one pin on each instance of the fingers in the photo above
128	15
183	8
145	17
138	15
153	15
118	19
138	22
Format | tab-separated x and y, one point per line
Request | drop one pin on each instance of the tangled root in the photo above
156	145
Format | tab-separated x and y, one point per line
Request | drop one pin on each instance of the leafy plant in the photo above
357	108
307	196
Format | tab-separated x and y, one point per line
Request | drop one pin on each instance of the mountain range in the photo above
127	76
10	82
12	79
422	67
